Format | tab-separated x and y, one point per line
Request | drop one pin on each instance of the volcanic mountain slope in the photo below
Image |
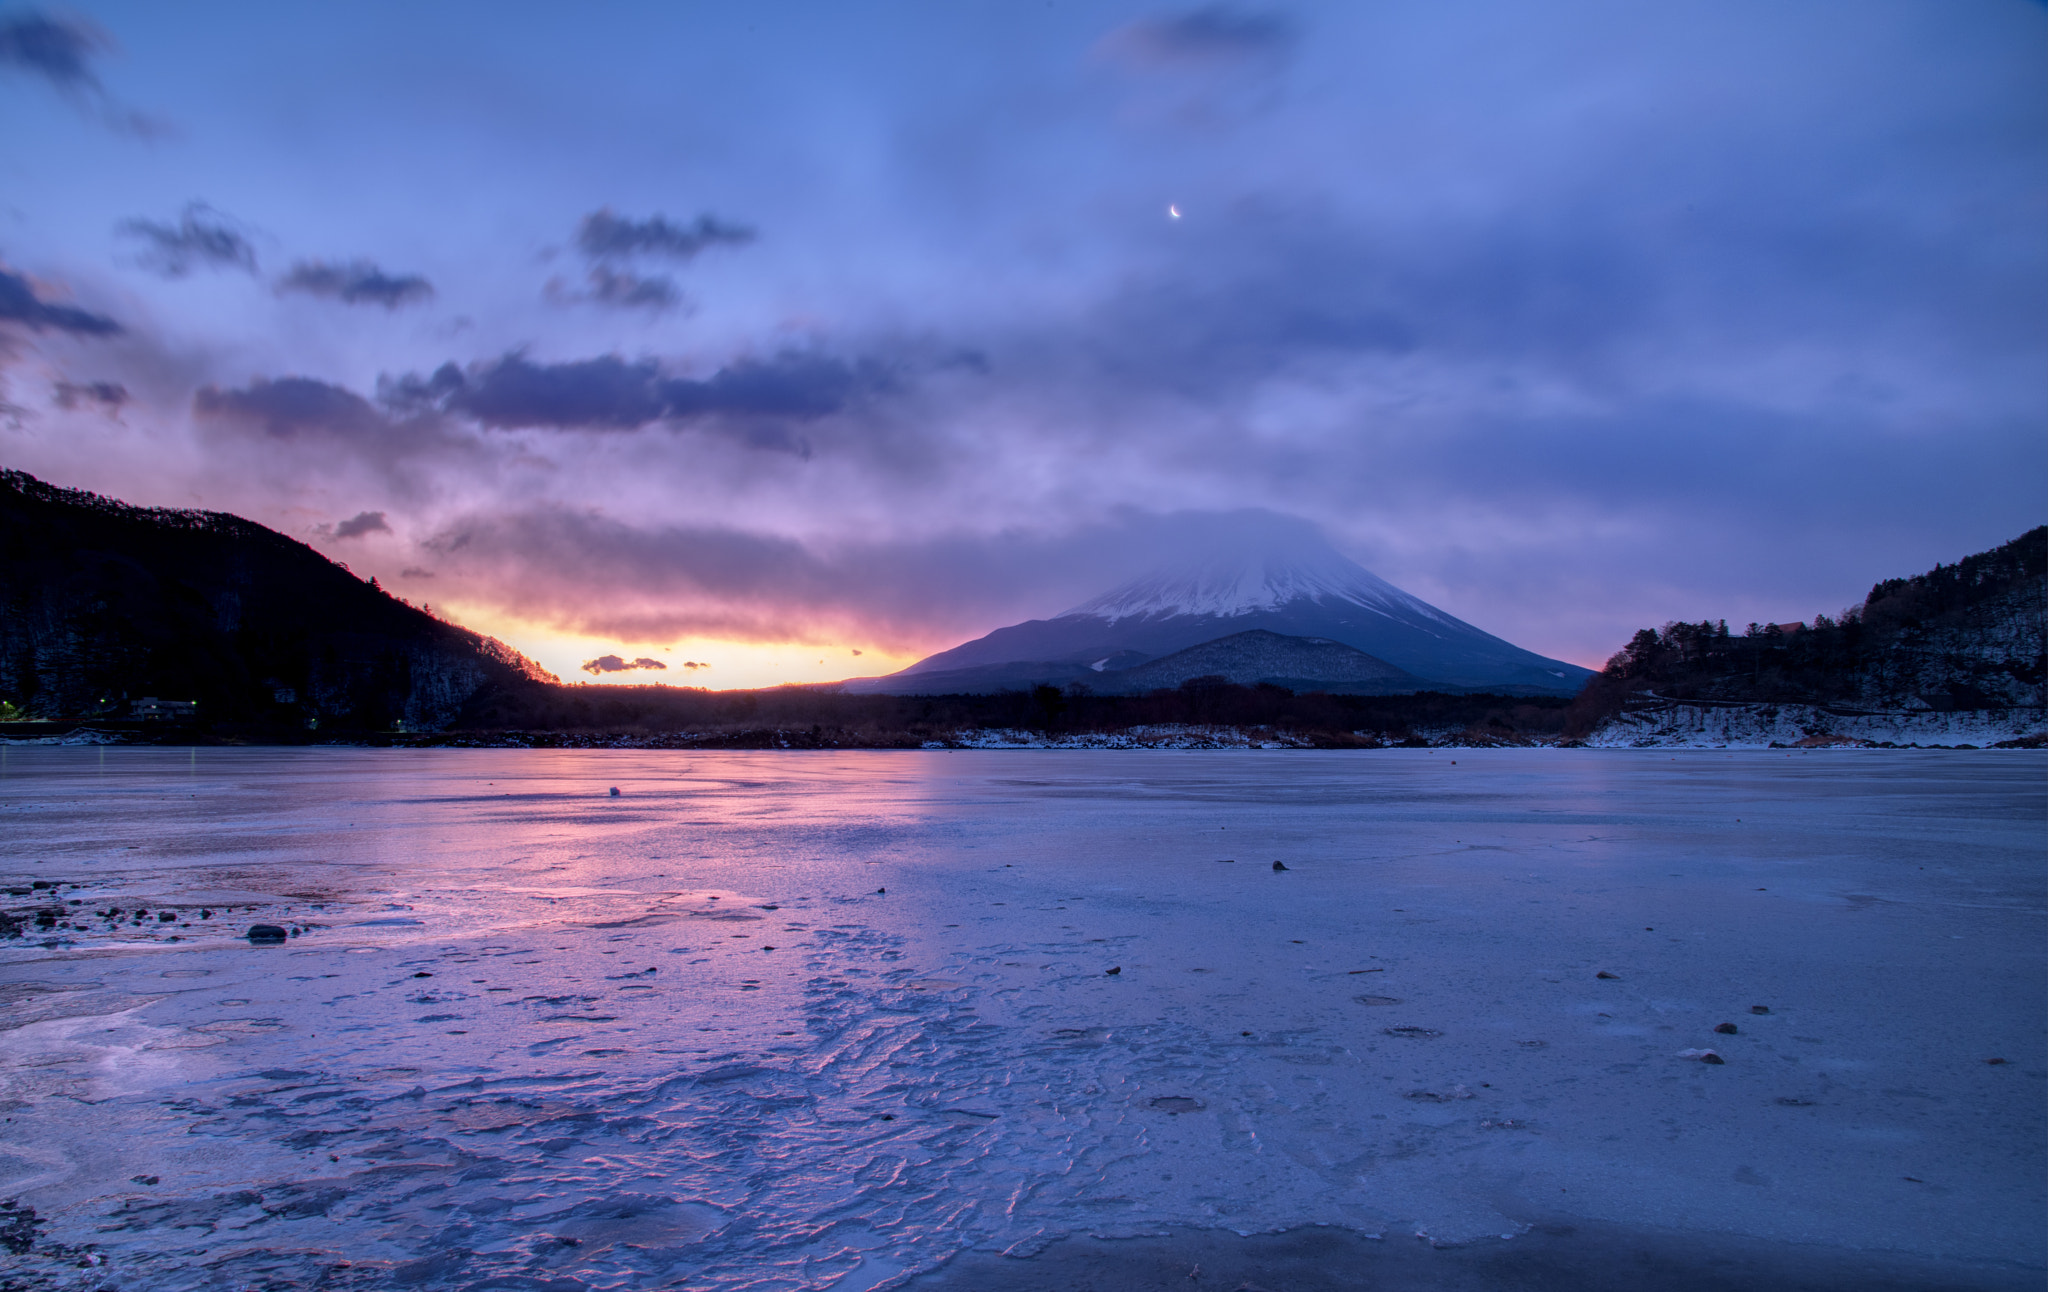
1290	583
102	604
1257	656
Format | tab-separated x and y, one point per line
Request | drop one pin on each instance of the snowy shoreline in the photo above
1672	725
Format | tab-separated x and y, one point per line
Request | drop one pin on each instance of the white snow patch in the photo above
1776	726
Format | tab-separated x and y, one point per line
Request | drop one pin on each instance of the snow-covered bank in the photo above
1779	726
1674	726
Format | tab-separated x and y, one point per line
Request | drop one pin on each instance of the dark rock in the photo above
266	934
1711	1057
1604	974
881	890
1994	1062
423	974
615	791
1759	1009
1725	1029
143	1179
1412	1033
1178	1104
20	1227
1279	865
1113	972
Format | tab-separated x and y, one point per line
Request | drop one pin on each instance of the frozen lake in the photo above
534	1035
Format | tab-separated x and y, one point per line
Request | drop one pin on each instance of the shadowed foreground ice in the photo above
774	1021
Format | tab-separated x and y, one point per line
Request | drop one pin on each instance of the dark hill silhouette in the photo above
102	604
1973	635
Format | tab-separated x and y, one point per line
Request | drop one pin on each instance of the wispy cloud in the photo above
61	52
356	282
603	234
620	289
366	522
107	396
1206	36
58	51
289	406
21	303
614	664
201	237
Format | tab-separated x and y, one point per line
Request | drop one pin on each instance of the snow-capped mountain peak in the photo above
1248	578
1232	578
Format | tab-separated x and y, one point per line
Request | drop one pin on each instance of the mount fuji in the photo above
1286	581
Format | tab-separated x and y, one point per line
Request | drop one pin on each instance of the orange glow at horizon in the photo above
720	665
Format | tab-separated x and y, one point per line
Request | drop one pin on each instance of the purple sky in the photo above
758	335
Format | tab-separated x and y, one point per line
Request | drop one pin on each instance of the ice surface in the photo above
532	1031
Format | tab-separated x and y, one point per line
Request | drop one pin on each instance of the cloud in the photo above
612	393
512	392
620	289
60	51
57	51
108	396
366	522
613	664
288	406
202	237
603	235
633	291
21	303
358	282
1215	34
602	576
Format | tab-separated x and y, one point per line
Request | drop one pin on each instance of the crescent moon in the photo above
1173	211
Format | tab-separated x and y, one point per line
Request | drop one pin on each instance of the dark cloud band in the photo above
611	393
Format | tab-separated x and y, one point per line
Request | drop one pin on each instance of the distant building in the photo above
1789	629
151	709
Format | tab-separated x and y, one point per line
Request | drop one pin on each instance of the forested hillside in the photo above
102	604
1973	635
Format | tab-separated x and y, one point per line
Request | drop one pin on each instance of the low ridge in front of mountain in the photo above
1257	657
